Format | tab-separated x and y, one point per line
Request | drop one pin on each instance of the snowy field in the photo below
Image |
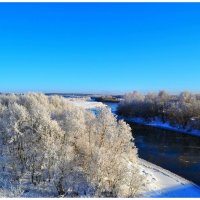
162	183
86	104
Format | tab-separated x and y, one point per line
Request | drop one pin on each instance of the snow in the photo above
163	183
87	104
159	124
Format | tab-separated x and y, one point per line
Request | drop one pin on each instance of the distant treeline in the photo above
182	110
108	98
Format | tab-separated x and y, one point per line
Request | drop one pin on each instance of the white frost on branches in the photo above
50	141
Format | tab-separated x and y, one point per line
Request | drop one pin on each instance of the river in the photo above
174	151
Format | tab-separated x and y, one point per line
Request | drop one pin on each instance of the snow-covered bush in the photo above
131	105
180	110
48	140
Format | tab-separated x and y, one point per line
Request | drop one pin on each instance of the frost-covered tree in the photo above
184	110
48	140
162	102
181	110
131	105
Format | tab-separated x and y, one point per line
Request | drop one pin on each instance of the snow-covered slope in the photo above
163	183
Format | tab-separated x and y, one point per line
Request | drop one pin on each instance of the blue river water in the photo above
174	151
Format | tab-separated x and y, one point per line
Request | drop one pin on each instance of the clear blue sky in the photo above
99	47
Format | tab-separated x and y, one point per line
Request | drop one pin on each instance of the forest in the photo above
55	149
180	110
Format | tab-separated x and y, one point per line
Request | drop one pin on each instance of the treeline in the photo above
182	110
49	143
107	99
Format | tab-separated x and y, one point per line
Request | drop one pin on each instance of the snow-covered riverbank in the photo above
163	183
157	123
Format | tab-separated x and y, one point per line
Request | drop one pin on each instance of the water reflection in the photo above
179	153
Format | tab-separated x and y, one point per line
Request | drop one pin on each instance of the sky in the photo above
99	47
